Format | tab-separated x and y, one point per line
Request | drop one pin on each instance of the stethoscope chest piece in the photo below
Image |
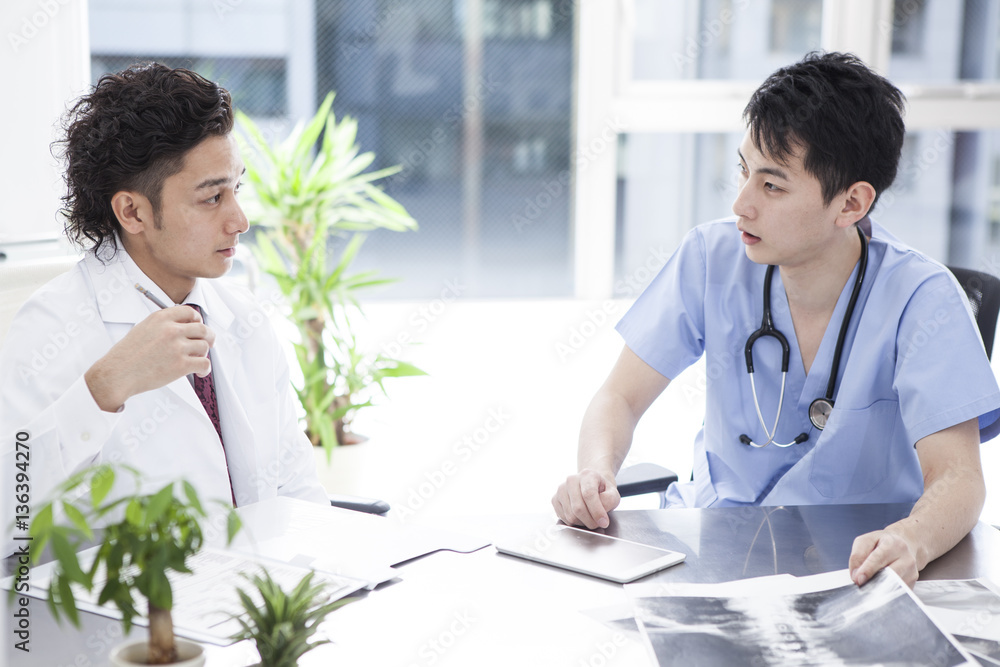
819	412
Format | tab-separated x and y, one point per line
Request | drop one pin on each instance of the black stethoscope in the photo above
820	409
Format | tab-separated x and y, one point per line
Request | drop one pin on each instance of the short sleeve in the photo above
942	374
665	326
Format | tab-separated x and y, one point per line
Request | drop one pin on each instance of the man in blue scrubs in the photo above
913	387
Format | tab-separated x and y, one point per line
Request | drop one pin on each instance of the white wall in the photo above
45	59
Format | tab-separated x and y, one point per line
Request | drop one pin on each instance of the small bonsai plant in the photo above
143	538
307	205
283	622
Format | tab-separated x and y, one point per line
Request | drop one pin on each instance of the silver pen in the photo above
149	295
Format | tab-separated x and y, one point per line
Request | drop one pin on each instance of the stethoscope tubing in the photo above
767	328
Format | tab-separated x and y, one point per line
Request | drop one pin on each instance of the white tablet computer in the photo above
591	553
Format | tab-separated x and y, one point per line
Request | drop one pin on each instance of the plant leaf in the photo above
100	485
192	497
401	369
158	504
233	525
77	518
133	512
66	600
69	566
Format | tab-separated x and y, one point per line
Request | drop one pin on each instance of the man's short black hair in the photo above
131	133
846	117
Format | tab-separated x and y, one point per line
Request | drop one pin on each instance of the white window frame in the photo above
609	101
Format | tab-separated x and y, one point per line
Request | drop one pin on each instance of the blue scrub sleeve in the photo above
665	326
989	425
942	374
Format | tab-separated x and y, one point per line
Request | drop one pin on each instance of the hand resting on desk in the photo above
585	499
954	492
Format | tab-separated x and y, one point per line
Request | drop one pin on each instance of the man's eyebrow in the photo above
213	182
772	171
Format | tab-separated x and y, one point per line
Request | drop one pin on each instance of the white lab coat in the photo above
165	433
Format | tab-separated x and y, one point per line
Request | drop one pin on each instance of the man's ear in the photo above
133	210
855	202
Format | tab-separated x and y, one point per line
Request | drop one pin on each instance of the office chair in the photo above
983	291
645	478
19	280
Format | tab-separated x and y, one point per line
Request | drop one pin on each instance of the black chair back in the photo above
983	291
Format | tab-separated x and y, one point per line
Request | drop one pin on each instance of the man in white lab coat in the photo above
94	370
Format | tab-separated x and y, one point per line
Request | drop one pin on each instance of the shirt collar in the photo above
115	273
137	277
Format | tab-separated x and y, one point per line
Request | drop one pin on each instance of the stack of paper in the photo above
819	620
969	610
206	599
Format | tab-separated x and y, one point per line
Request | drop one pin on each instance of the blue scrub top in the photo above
913	364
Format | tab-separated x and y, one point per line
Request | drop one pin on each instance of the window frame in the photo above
607	97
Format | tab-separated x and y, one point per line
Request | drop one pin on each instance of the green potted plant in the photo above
312	193
143	537
282	622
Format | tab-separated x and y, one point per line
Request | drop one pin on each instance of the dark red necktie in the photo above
204	387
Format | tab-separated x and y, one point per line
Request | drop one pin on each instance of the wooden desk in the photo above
487	609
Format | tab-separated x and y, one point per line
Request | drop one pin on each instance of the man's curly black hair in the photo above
131	133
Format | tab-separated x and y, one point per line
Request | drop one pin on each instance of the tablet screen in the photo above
593	553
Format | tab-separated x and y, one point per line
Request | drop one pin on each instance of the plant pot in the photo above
131	654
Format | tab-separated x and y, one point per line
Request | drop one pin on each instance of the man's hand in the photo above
873	551
169	344
945	513
585	499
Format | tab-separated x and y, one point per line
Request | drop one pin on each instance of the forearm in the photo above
606	434
586	497
106	385
948	509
